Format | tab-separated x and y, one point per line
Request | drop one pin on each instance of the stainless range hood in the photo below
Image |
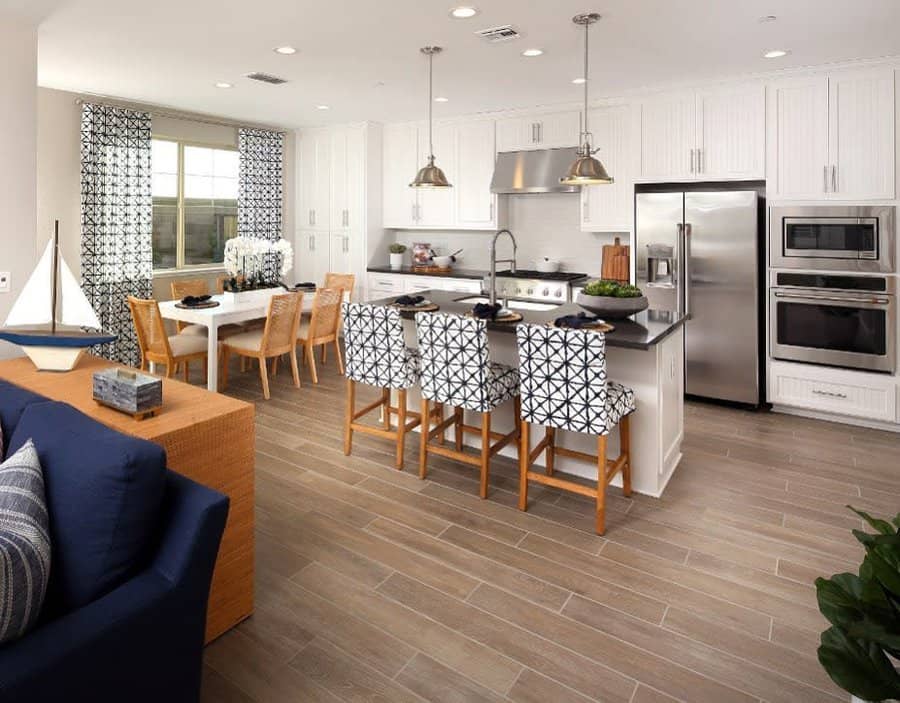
536	171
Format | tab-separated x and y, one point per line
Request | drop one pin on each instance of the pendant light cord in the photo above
587	29
430	104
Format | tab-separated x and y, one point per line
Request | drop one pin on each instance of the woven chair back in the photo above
149	327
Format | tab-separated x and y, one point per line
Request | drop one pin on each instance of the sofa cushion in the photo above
13	400
24	543
104	492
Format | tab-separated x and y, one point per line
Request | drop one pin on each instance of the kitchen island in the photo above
644	352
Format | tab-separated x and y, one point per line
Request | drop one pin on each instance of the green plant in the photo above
612	289
864	612
396	248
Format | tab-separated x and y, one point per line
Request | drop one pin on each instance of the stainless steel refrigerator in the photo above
698	252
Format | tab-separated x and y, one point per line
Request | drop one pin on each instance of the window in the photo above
195	191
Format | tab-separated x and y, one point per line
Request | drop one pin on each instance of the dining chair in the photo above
158	347
563	383
183	288
277	337
344	281
322	328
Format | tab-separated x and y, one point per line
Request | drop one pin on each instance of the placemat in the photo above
598	326
202	306
431	307
514	317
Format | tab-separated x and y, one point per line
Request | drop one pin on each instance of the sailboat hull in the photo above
54	352
54	358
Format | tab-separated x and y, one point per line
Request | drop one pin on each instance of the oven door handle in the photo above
830	298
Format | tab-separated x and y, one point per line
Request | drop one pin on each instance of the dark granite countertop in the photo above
475	274
641	331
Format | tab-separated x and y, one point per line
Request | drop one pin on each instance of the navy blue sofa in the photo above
134	547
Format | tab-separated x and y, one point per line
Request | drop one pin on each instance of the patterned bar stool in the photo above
457	370
564	386
377	355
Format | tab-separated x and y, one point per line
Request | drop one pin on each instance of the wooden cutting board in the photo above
616	262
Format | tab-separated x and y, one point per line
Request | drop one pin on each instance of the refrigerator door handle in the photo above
686	254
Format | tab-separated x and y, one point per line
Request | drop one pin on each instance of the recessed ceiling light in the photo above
579	81
441	99
223	84
532	52
776	53
463	12
285	50
323	107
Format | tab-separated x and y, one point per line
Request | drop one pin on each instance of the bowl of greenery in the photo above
612	300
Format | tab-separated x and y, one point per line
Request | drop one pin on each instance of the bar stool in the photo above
377	355
564	386
457	370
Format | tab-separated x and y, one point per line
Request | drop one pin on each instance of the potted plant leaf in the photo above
397	251
861	649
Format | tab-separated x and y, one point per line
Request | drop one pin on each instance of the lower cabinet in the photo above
384	285
834	391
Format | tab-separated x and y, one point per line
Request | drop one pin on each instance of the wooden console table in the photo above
208	437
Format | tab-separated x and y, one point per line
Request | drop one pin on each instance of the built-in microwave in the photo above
833	238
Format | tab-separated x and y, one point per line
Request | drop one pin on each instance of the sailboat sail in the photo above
34	305
76	310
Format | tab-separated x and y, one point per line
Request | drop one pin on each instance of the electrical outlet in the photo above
4	282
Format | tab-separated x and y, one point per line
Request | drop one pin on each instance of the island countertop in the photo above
641	331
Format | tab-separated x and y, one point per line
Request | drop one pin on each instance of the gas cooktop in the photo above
542	276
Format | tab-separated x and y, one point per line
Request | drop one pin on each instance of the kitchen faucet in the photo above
494	262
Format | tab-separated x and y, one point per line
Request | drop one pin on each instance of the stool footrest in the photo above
562	483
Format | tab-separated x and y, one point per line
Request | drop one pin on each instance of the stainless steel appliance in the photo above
524	284
697	252
533	171
836	320
833	238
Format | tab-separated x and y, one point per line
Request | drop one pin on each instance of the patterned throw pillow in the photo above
24	543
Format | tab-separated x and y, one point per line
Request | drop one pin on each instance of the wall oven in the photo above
834	320
833	238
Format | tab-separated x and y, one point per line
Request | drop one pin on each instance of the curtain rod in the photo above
175	114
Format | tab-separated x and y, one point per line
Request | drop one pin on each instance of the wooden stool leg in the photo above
458	418
601	484
625	450
550	453
439	408
524	453
401	426
348	414
386	408
264	377
424	427
485	453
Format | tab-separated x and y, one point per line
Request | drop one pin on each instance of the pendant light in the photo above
586	170
430	176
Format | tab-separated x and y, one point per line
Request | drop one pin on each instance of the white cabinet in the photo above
832	137
475	150
437	206
539	131
610	208
313	256
384	285
340	259
462	285
715	134
416	284
401	161
314	179
347	158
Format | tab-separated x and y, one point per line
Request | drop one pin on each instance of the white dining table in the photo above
226	312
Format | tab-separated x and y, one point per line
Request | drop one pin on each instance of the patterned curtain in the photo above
116	220
260	191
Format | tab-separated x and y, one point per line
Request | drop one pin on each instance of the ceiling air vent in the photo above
266	78
498	34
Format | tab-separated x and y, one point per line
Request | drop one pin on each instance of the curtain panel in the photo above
116	220
260	190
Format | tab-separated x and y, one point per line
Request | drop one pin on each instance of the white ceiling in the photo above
361	56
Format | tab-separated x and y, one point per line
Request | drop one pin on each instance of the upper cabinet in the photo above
540	131
716	134
314	177
610	208
832	137
465	151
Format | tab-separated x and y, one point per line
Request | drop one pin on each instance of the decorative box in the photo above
128	391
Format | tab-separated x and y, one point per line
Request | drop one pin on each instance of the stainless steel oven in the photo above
833	238
834	320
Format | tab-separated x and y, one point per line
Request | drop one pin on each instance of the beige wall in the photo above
59	170
18	119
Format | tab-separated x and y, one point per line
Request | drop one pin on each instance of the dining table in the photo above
228	311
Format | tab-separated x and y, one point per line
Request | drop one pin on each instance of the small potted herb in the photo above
860	650
612	300
397	251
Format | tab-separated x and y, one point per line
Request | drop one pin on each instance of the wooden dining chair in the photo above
277	337
322	328
183	288
344	281
158	347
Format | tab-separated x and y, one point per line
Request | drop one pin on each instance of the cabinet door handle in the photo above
534	132
540	126
491	218
830	394
834	188
314	218
413	216
345	244
700	159
825	175
346	218
585	209
312	242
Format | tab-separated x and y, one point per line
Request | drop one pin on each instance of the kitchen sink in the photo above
512	304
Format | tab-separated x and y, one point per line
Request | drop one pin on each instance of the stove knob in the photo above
530	291
545	292
518	291
558	294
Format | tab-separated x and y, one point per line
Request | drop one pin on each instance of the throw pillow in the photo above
24	543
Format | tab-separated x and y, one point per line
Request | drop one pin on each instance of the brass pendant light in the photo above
586	170
430	176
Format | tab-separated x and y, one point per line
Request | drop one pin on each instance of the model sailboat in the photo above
48	317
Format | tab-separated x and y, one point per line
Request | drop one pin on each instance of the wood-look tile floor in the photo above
375	586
